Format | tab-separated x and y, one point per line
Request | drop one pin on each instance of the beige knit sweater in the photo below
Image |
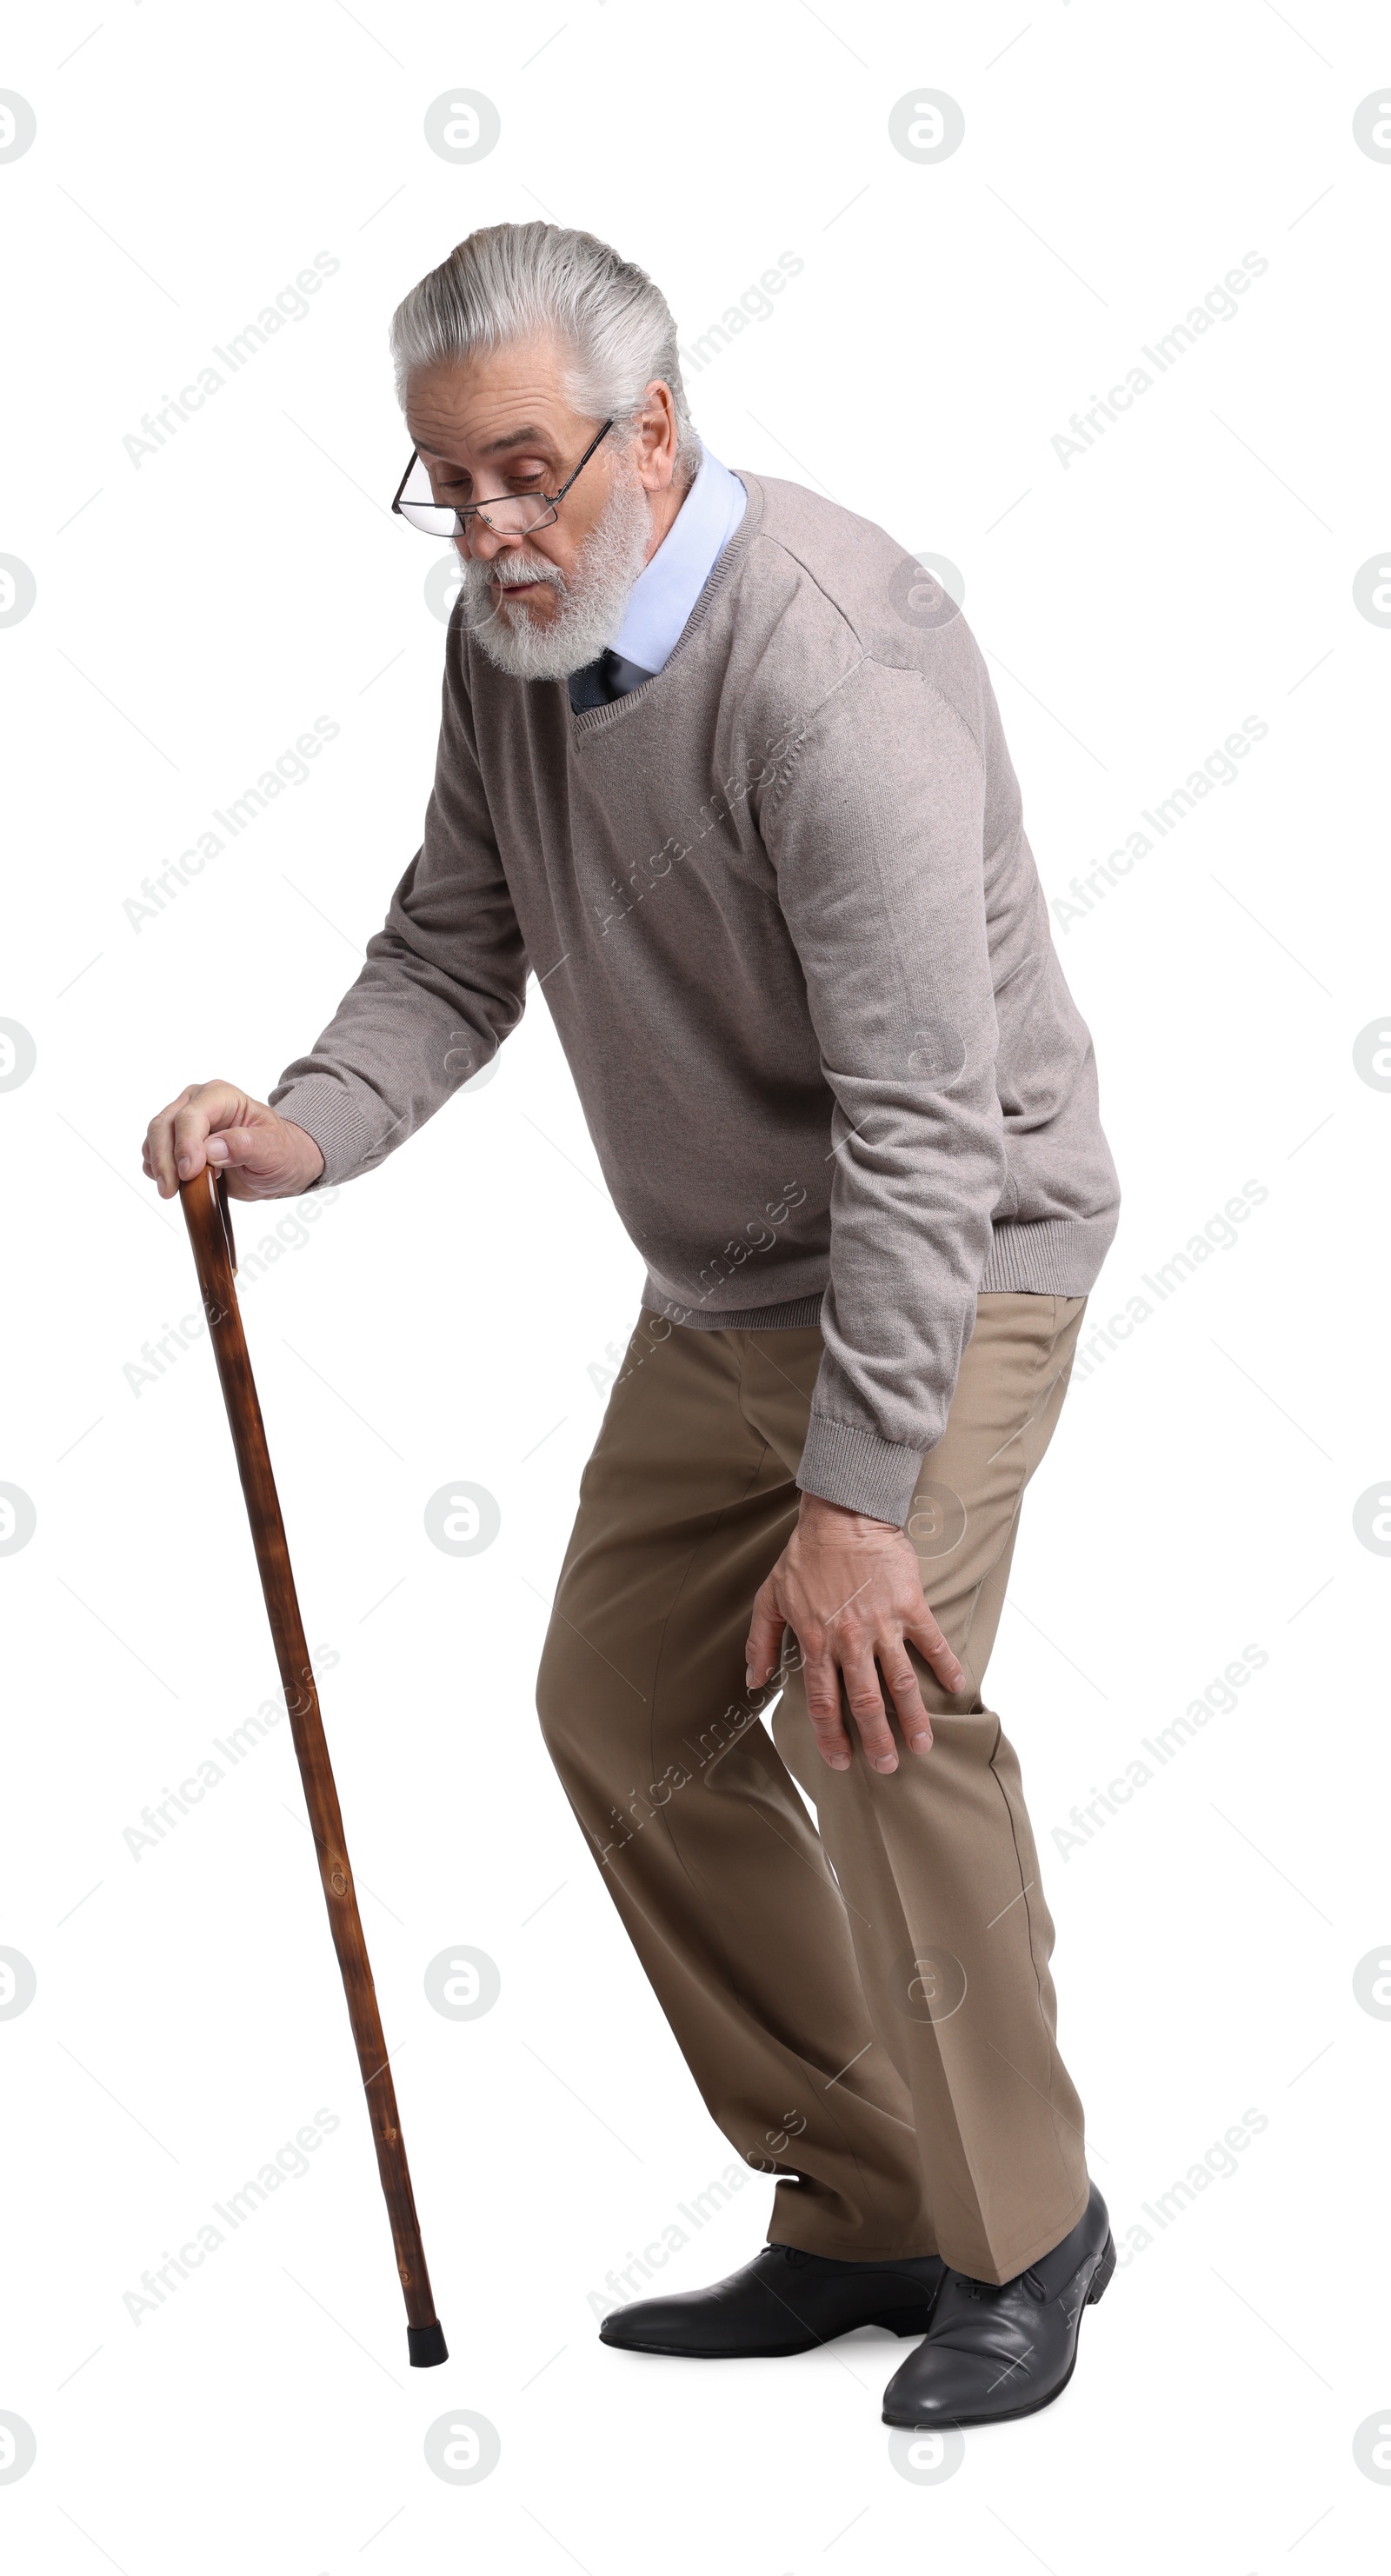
781	906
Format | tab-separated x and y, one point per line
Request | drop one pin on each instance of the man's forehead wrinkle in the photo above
499	415
529	432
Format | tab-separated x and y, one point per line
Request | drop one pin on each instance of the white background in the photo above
452	1315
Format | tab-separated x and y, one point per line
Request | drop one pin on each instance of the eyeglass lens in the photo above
513	515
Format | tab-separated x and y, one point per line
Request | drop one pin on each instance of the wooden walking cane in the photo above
210	1231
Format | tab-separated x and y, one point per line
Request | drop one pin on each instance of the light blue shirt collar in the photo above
667	588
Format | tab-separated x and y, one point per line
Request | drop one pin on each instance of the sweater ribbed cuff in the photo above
855	1468
1052	1256
328	1112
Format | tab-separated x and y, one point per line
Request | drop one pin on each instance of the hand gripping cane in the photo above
210	1231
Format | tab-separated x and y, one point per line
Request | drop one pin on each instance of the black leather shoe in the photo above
994	2353
784	2301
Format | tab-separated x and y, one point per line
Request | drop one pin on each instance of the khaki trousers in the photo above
867	2010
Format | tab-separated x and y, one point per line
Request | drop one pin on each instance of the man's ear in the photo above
658	435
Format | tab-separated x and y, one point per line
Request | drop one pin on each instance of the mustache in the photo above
509	572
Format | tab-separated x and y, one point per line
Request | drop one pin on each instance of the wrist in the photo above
309	1155
818	1515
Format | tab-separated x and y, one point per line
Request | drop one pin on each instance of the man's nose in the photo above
483	543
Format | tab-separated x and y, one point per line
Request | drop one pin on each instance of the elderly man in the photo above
722	768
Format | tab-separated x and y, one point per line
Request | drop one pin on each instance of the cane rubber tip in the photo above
427	2346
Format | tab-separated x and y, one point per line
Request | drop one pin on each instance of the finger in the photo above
933	1647
822	1680
159	1146
208	1107
867	1709
902	1684
764	1642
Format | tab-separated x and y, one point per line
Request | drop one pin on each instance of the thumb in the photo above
233	1145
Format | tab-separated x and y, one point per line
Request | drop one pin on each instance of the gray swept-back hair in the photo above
516	281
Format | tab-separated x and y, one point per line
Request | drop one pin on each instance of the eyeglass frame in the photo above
479	509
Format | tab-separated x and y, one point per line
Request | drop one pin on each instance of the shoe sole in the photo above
899	2321
1014	2414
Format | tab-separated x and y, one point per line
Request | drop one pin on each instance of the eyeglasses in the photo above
513	514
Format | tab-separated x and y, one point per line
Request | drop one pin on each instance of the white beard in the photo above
590	604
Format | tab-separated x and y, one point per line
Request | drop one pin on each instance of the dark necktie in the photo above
599	683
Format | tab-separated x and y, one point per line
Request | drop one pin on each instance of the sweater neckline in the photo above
594	720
